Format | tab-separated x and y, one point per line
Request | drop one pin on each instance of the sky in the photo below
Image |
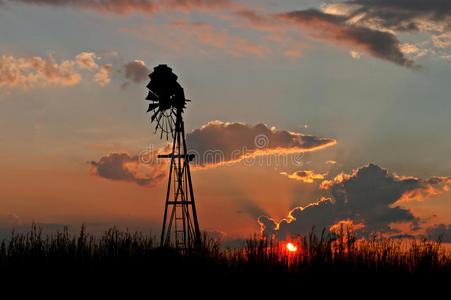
342	109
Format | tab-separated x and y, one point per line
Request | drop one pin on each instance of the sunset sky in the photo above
351	97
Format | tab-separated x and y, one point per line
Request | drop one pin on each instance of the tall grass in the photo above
123	254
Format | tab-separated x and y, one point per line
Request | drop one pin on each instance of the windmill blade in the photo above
152	106
154	87
169	129
159	125
154	115
158	121
152	96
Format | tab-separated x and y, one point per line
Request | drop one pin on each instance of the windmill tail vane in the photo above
180	227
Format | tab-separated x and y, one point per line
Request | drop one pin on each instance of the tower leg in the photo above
181	228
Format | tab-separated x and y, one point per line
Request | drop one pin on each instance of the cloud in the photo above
413	16
26	72
355	54
217	142
221	39
199	4
123	167
397	15
102	76
362	26
37	71
136	71
214	144
441	231
119	7
305	176
337	29
370	196
87	60
125	7
442	40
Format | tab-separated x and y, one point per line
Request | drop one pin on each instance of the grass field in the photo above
121	255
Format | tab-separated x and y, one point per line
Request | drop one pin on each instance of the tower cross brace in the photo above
180	226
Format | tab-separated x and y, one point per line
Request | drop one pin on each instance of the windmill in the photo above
167	102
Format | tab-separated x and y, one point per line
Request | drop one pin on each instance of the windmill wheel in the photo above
167	100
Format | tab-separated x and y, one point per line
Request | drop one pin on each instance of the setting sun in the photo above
291	247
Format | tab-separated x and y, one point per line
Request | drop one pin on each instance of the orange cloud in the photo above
87	60
102	76
305	176
217	38
125	7
28	72
326	184
427	188
25	72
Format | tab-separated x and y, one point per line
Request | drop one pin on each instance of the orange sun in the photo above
291	247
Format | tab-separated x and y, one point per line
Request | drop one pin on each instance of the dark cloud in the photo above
336	28
219	142
401	15
369	197
136	71
123	167
440	231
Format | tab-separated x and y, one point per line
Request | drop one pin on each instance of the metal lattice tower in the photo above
180	226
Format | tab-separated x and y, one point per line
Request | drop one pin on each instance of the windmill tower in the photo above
180	226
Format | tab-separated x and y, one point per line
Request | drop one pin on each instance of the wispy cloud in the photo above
361	26
27	72
125	7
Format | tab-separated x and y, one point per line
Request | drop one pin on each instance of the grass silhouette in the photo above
119	256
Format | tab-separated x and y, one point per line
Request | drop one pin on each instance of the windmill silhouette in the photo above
180	226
